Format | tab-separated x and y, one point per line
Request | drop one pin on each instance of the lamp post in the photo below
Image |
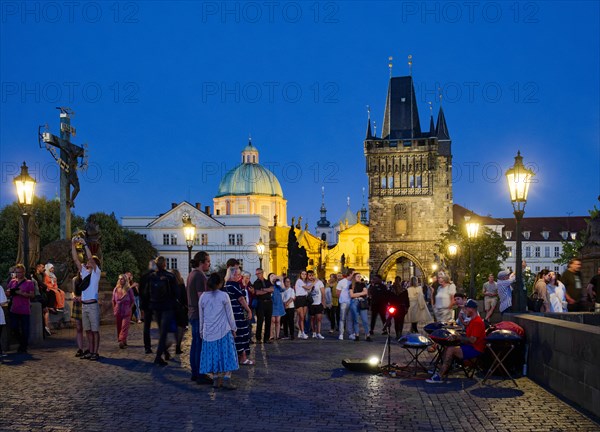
519	179
189	232
452	251
25	185
260	250
472	231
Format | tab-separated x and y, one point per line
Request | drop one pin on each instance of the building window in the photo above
556	251
197	240
509	250
556	268
241	260
537	252
526	234
411	181
545	234
507	234
239	239
547	251
527	251
169	239
419	181
172	263
242	209
144	236
537	269
204	239
383	182
390	182
231	239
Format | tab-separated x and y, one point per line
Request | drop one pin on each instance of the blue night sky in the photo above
166	94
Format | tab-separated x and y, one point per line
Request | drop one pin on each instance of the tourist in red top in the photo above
22	291
472	345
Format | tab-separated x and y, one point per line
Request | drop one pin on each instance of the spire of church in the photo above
323	222
363	209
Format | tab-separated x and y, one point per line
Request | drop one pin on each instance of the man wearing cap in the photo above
505	280
471	345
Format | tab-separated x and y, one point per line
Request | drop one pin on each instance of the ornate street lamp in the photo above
452	251
519	178
260	250
189	232
25	185
472	231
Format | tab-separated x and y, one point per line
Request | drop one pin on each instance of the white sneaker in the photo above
304	336
352	336
341	337
314	335
300	334
320	336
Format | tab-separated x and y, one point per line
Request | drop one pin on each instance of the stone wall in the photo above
565	357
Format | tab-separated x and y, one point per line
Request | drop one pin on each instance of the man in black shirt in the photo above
378	293
262	289
163	292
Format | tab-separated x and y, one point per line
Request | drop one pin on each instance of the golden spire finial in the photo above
369	112
390	64
410	64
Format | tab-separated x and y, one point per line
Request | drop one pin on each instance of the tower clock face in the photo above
185	215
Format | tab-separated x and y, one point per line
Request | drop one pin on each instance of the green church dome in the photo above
249	178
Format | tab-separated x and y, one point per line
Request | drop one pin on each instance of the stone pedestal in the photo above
36	326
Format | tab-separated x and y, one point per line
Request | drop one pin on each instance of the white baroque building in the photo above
541	237
223	237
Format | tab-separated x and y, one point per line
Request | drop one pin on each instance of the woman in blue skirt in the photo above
239	306
278	307
217	329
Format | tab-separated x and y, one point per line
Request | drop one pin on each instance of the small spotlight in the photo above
370	365
391	310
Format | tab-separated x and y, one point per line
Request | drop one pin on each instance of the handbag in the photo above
363	304
534	302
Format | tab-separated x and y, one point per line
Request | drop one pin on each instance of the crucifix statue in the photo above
70	159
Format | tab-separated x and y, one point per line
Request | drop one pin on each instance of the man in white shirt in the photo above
343	290
90	308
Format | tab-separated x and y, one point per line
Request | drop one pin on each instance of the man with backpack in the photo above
162	290
145	305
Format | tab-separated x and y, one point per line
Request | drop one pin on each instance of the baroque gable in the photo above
173	218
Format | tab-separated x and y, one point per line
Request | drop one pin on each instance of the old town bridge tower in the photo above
410	186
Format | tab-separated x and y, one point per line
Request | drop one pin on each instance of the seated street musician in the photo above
471	345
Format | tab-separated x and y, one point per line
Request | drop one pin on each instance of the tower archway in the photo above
403	264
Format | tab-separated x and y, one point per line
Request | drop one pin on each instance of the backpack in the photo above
159	288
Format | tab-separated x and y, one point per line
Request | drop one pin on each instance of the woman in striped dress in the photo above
239	305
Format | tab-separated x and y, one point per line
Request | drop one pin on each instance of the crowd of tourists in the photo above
227	313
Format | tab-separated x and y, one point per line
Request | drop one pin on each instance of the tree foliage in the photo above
123	250
47	216
488	251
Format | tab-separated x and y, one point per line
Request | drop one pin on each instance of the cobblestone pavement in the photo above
295	385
